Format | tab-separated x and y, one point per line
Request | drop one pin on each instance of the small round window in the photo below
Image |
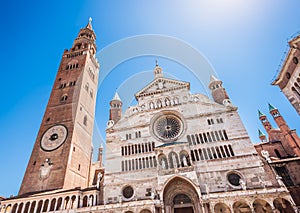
127	192
288	75
295	60
234	179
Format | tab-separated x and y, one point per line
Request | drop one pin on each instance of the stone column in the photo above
11	207
95	200
168	209
49	205
212	207
43	203
56	204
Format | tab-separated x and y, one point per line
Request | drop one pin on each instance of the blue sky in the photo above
243	40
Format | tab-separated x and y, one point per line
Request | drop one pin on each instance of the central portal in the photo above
180	196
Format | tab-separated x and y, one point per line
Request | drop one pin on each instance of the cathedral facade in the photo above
172	152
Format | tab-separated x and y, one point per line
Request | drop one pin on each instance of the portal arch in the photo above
180	195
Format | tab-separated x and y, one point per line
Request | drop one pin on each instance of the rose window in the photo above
167	127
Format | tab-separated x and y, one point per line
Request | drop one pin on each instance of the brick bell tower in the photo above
291	137
62	153
219	93
115	111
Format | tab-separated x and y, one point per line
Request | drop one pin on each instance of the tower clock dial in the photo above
54	137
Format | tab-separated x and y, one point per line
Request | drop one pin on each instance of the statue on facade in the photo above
90	203
243	184
279	180
266	155
206	188
174	161
99	178
163	164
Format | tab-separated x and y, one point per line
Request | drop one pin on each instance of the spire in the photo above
89	25
116	97
260	133
271	107
213	78
260	113
262	136
157	71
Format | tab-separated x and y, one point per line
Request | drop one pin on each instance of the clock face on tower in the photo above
54	137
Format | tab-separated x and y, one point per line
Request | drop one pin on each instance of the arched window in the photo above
92	93
226	150
132	163
230	150
64	97
52	206
208	121
86	86
58	205
225	134
192	155
201	138
213	136
85	120
218	152
201	154
46	203
122	166
129	165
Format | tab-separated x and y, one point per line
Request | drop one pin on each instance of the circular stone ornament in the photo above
167	127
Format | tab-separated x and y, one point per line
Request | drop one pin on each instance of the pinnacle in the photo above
116	97
213	78
271	107
89	25
260	113
260	133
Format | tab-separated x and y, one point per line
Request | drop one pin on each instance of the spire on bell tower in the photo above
262	136
89	25
85	40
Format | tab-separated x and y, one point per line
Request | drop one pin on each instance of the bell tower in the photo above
115	112
291	138
264	120
219	93
62	153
